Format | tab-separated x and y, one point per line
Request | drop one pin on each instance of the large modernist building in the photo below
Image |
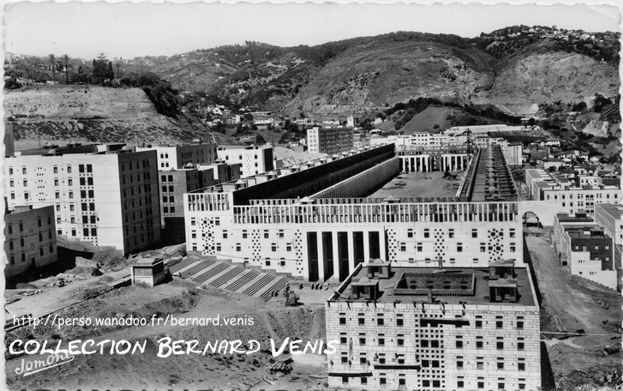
100	194
323	219
30	239
435	329
329	140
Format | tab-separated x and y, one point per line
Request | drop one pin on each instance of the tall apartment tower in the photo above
107	198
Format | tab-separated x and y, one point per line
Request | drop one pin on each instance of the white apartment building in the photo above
585	249
483	129
329	140
565	196
437	329
106	198
178	156
253	159
610	217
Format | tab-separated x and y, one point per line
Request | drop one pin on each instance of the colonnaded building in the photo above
447	208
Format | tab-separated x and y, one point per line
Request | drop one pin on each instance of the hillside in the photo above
93	113
517	69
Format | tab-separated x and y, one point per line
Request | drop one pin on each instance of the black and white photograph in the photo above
292	196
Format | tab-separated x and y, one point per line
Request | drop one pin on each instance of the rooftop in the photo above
418	184
448	285
614	210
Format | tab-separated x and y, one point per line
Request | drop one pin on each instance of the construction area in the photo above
198	287
580	323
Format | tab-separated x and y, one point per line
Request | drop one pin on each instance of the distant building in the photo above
329	140
105	197
253	159
610	217
484	129
178	156
585	249
9	139
30	239
451	328
564	193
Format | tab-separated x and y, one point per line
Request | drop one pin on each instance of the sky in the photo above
129	30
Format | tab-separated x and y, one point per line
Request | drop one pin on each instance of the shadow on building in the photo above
547	374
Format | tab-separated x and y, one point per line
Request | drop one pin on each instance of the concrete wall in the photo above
363	183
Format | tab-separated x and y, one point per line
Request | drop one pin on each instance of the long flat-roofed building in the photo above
103	196
437	329
320	221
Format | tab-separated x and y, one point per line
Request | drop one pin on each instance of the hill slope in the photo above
93	113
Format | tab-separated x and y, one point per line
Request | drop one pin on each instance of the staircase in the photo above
233	277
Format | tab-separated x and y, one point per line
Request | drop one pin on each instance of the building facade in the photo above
584	249
30	239
106	198
178	156
329	140
253	159
317	223
435	329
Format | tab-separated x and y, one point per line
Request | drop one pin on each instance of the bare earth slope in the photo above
372	76
91	112
533	78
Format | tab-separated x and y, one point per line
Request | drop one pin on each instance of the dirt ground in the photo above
571	304
184	300
419	184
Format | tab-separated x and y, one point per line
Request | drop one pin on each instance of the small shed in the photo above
148	271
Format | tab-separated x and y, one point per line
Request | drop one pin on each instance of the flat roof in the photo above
471	284
614	210
490	178
418	184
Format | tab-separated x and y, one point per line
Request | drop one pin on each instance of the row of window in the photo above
23	256
478	323
427	383
411	233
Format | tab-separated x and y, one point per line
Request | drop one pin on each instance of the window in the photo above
474	233
266	234
419	247
500	363
499	344
460	384
400	340
479	343
521	364
499	323
512	247
381	339
459	342
426	232
459	247
380	321
410	233
459	362
520	322
483	247
451	233
362	338
399	320
521	343
480	363
403	247
361	320
342	319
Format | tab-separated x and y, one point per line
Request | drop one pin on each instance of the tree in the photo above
53	66
66	60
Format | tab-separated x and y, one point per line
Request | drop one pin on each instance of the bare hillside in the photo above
94	113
